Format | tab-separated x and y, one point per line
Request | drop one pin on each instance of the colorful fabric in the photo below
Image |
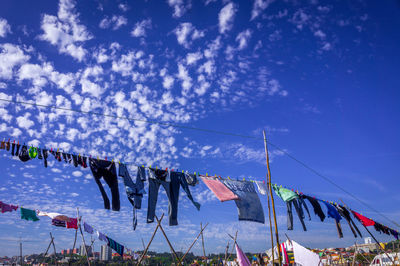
28	214
33	152
87	228
284	193
7	207
241	257
73	223
102	236
262	187
220	190
116	246
364	220
58	223
332	212
54	215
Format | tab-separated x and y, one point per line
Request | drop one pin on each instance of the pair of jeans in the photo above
346	215
107	170
154	186
290	214
316	206
302	204
178	180
248	204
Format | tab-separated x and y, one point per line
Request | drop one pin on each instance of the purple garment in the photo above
87	228
102	236
241	257
58	223
7	207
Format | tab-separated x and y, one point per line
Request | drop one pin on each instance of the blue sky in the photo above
320	77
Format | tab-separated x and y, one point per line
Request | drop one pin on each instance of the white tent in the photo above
302	255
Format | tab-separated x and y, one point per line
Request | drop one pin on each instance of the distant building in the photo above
368	240
105	253
96	255
83	253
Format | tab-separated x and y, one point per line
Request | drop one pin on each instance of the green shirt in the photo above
29	215
284	193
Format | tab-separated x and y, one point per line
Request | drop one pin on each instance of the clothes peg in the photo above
182	171
166	169
244	179
206	174
142	165
106	158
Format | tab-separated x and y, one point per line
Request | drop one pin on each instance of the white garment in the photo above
303	256
54	215
262	187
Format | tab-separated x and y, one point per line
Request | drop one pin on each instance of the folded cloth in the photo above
220	190
28	214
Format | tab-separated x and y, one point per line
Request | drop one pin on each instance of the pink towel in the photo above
7	207
241	257
220	190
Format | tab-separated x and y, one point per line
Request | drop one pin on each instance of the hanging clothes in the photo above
24	154
134	192
248	205
45	156
116	246
262	187
54	215
290	197
102	236
394	233
316	206
241	257
28	214
362	219
180	181
191	179
106	169
72	223
333	213
220	190
302	204
346	215
156	179
87	228
303	256
7	207
58	223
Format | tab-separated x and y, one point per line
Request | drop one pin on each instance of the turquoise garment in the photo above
284	193
29	215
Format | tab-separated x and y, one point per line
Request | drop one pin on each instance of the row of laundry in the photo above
61	220
334	210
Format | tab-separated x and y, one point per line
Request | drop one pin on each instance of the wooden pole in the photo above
202	240
73	247
83	238
234	242
377	242
272	200
183	257
226	252
270	227
151	240
166	238
54	246
355	254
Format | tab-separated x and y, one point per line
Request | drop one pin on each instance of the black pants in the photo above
290	215
107	170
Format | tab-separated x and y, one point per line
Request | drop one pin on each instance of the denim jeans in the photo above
154	186
178	180
248	204
290	214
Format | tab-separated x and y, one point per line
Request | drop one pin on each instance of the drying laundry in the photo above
54	215
162	175
24	154
191	179
317	207
302	204
364	220
7	207
106	169
28	214
72	223
346	215
262	187
333	213
58	223
241	257
248	204
181	181
116	246
88	228
284	193
220	190
102	236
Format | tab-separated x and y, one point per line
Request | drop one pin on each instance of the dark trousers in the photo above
290	214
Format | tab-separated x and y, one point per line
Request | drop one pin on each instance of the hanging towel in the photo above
248	204
303	256
54	215
284	193
73	223
262	187
87	228
28	214
7	207
102	236
58	223
364	220
116	246
220	190
241	257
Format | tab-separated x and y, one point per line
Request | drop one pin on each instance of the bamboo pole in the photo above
355	253
272	200
377	242
166	238
83	238
234	242
202	240
54	246
226	252
183	257
151	240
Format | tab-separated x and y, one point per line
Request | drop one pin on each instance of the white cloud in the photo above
226	16
77	173
186	33
243	37
4	27
300	18
192	58
73	194
65	30
186	79
123	6
258	7
140	28
115	22
320	34
10	57
91	88
179	7
24	121
168	82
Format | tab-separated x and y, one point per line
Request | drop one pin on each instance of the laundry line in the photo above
327	179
